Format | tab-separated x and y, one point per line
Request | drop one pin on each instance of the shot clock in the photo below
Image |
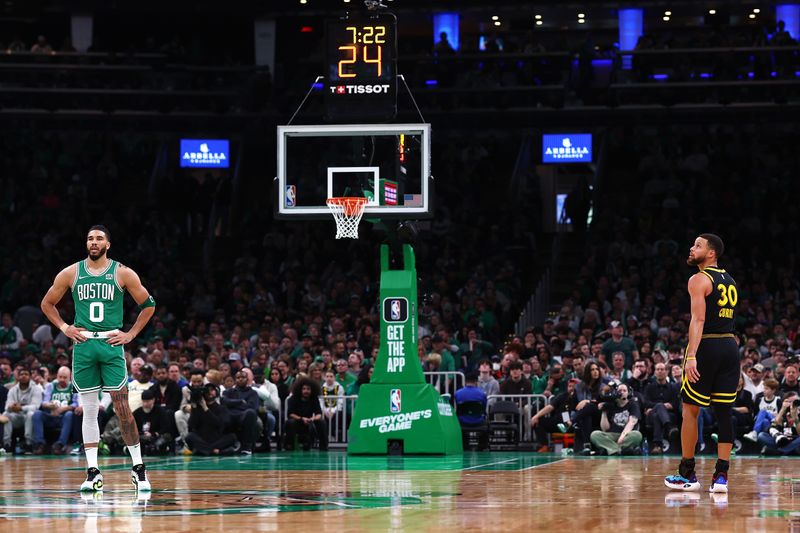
361	67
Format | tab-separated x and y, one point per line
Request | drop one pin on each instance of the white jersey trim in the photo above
77	273
116	279
108	266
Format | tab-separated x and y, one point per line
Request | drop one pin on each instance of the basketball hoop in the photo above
347	212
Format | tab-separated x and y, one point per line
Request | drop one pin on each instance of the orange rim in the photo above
351	205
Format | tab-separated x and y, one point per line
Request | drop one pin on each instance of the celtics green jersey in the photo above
98	298
61	397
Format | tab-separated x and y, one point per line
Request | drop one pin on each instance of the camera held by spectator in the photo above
609	392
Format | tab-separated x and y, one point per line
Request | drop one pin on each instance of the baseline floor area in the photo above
334	492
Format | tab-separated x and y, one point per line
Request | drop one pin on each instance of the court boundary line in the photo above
545	464
489	464
165	461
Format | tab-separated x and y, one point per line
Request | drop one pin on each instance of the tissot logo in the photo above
360	89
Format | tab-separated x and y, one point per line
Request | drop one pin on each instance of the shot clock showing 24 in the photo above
361	67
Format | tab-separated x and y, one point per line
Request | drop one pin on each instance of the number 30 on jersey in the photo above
728	297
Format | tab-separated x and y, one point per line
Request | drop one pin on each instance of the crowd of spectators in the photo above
629	310
279	311
287	304
610	359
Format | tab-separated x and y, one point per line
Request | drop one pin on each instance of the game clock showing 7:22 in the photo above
361	67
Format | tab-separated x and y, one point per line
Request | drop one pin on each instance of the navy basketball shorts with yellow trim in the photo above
718	365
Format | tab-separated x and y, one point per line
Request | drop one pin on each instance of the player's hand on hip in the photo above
690	369
119	338
75	333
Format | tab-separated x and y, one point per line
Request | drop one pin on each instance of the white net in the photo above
347	212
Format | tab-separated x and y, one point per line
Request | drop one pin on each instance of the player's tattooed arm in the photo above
127	424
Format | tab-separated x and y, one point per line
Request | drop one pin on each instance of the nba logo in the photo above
291	196
395	309
395	401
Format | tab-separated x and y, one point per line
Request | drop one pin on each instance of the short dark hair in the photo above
514	347
197	372
715	243
515	365
100	227
471	377
22	367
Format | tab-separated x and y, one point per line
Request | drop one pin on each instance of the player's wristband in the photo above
691	358
64	327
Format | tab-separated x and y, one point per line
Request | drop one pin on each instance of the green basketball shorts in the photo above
96	365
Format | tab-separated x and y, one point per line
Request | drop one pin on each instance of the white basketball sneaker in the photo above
719	483
94	481
139	478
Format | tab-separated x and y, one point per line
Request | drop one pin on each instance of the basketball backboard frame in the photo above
372	210
372	170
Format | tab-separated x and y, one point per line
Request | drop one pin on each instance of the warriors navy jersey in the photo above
98	298
720	302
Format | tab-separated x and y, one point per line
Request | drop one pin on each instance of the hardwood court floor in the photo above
319	492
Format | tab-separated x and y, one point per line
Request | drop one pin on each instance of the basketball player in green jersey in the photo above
98	286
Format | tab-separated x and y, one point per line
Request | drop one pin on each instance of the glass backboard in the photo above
389	164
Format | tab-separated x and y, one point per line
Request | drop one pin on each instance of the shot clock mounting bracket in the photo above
374	5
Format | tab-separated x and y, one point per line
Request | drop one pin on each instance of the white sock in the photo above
136	453
91	457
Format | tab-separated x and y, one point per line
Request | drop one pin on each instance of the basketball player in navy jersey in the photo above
711	363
